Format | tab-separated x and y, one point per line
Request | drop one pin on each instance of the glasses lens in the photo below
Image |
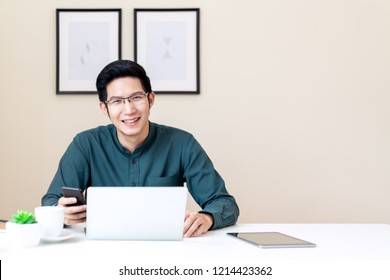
139	98
135	99
115	101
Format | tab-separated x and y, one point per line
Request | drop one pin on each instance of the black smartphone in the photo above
74	192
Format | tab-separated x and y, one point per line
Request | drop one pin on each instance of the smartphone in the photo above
74	192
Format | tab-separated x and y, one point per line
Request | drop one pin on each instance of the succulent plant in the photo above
23	217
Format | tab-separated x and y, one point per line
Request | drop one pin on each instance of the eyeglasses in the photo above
138	99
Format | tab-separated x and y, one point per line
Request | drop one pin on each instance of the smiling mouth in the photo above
130	121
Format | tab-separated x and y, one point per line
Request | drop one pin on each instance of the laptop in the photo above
136	213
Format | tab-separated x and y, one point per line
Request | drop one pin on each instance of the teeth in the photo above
130	121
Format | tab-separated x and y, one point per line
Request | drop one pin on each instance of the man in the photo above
132	151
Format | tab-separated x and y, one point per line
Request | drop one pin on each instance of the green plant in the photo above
23	217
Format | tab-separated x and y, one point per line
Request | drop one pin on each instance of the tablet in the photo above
271	239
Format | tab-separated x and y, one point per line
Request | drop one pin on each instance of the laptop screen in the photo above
136	213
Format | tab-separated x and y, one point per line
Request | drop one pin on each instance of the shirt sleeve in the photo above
207	186
73	171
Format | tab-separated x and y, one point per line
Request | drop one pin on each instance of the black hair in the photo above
120	69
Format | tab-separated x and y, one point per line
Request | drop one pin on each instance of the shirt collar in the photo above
147	143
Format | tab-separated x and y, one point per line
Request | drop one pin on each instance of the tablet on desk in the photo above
271	239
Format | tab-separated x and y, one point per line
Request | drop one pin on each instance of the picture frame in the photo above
166	44
87	40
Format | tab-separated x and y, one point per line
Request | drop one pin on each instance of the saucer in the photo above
64	236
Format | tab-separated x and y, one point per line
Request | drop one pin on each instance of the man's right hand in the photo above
73	214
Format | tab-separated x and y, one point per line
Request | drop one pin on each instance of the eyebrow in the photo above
134	93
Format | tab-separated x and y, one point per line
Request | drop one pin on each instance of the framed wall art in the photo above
87	40
166	44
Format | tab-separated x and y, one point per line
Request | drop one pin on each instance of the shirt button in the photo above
133	161
133	184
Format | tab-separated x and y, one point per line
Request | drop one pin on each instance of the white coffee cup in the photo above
52	220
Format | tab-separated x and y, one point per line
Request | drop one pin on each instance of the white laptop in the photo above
136	213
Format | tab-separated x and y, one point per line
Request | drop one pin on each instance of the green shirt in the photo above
168	157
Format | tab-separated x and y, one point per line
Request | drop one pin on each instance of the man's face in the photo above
131	119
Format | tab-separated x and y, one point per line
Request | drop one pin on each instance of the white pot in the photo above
23	235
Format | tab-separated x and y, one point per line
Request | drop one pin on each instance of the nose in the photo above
128	107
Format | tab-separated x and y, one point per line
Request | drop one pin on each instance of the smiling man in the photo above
134	152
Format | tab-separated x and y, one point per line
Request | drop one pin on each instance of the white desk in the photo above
335	242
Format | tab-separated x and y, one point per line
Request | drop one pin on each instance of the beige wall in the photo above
294	104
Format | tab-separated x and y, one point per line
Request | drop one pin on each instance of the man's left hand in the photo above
196	223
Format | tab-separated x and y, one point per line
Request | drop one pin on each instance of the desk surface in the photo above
334	242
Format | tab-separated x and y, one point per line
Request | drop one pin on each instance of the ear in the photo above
151	96
103	107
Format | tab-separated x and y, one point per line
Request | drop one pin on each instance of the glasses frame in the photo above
128	99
